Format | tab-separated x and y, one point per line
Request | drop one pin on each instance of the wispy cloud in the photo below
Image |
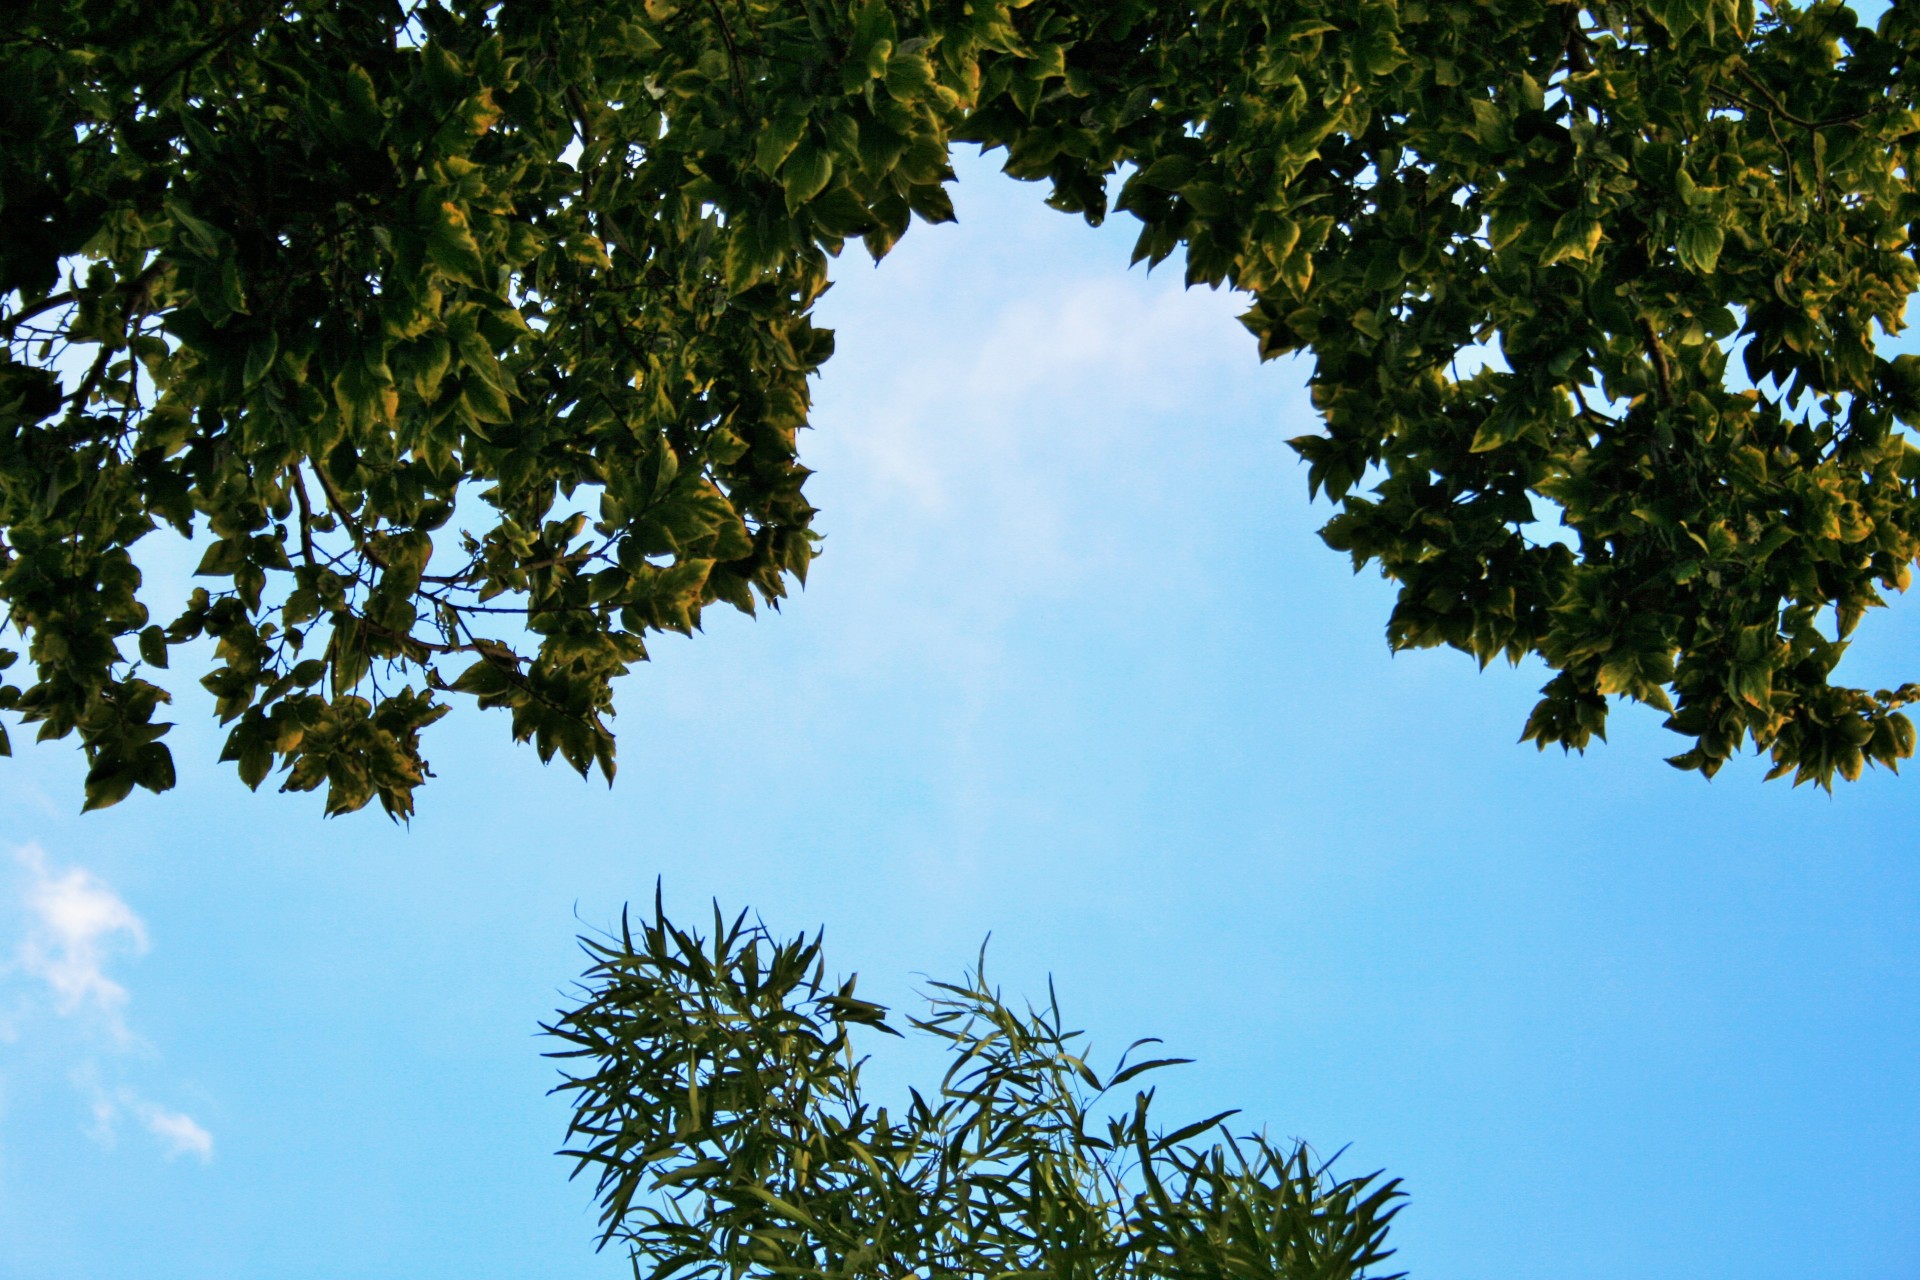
74	928
76	925
179	1133
178	1130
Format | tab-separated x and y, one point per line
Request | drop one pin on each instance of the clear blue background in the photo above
1073	670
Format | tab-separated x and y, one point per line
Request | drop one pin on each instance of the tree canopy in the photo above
719	1102
473	337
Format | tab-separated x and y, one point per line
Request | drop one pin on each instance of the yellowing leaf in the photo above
588	251
481	112
451	246
1575	236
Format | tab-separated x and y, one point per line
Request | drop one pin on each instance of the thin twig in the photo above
1587	410
1778	108
136	293
408	641
733	53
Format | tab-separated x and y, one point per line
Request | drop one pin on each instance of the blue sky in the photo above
1075	671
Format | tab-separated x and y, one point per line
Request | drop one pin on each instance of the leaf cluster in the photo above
428	323
1593	296
718	1100
473	339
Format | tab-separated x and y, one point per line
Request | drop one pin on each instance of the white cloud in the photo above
178	1132
182	1134
77	925
952	425
1080	369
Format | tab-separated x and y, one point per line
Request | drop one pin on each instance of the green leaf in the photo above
1532	96
489	681
350	655
223	559
806	174
931	203
261	354
199	233
909	77
1700	245
777	139
1168	172
432	356
153	647
1501	427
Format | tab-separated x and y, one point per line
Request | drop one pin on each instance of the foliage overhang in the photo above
475	337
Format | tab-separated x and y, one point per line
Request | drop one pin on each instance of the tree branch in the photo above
20	317
339	506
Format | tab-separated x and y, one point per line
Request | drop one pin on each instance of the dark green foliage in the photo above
477	335
721	1109
342	271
